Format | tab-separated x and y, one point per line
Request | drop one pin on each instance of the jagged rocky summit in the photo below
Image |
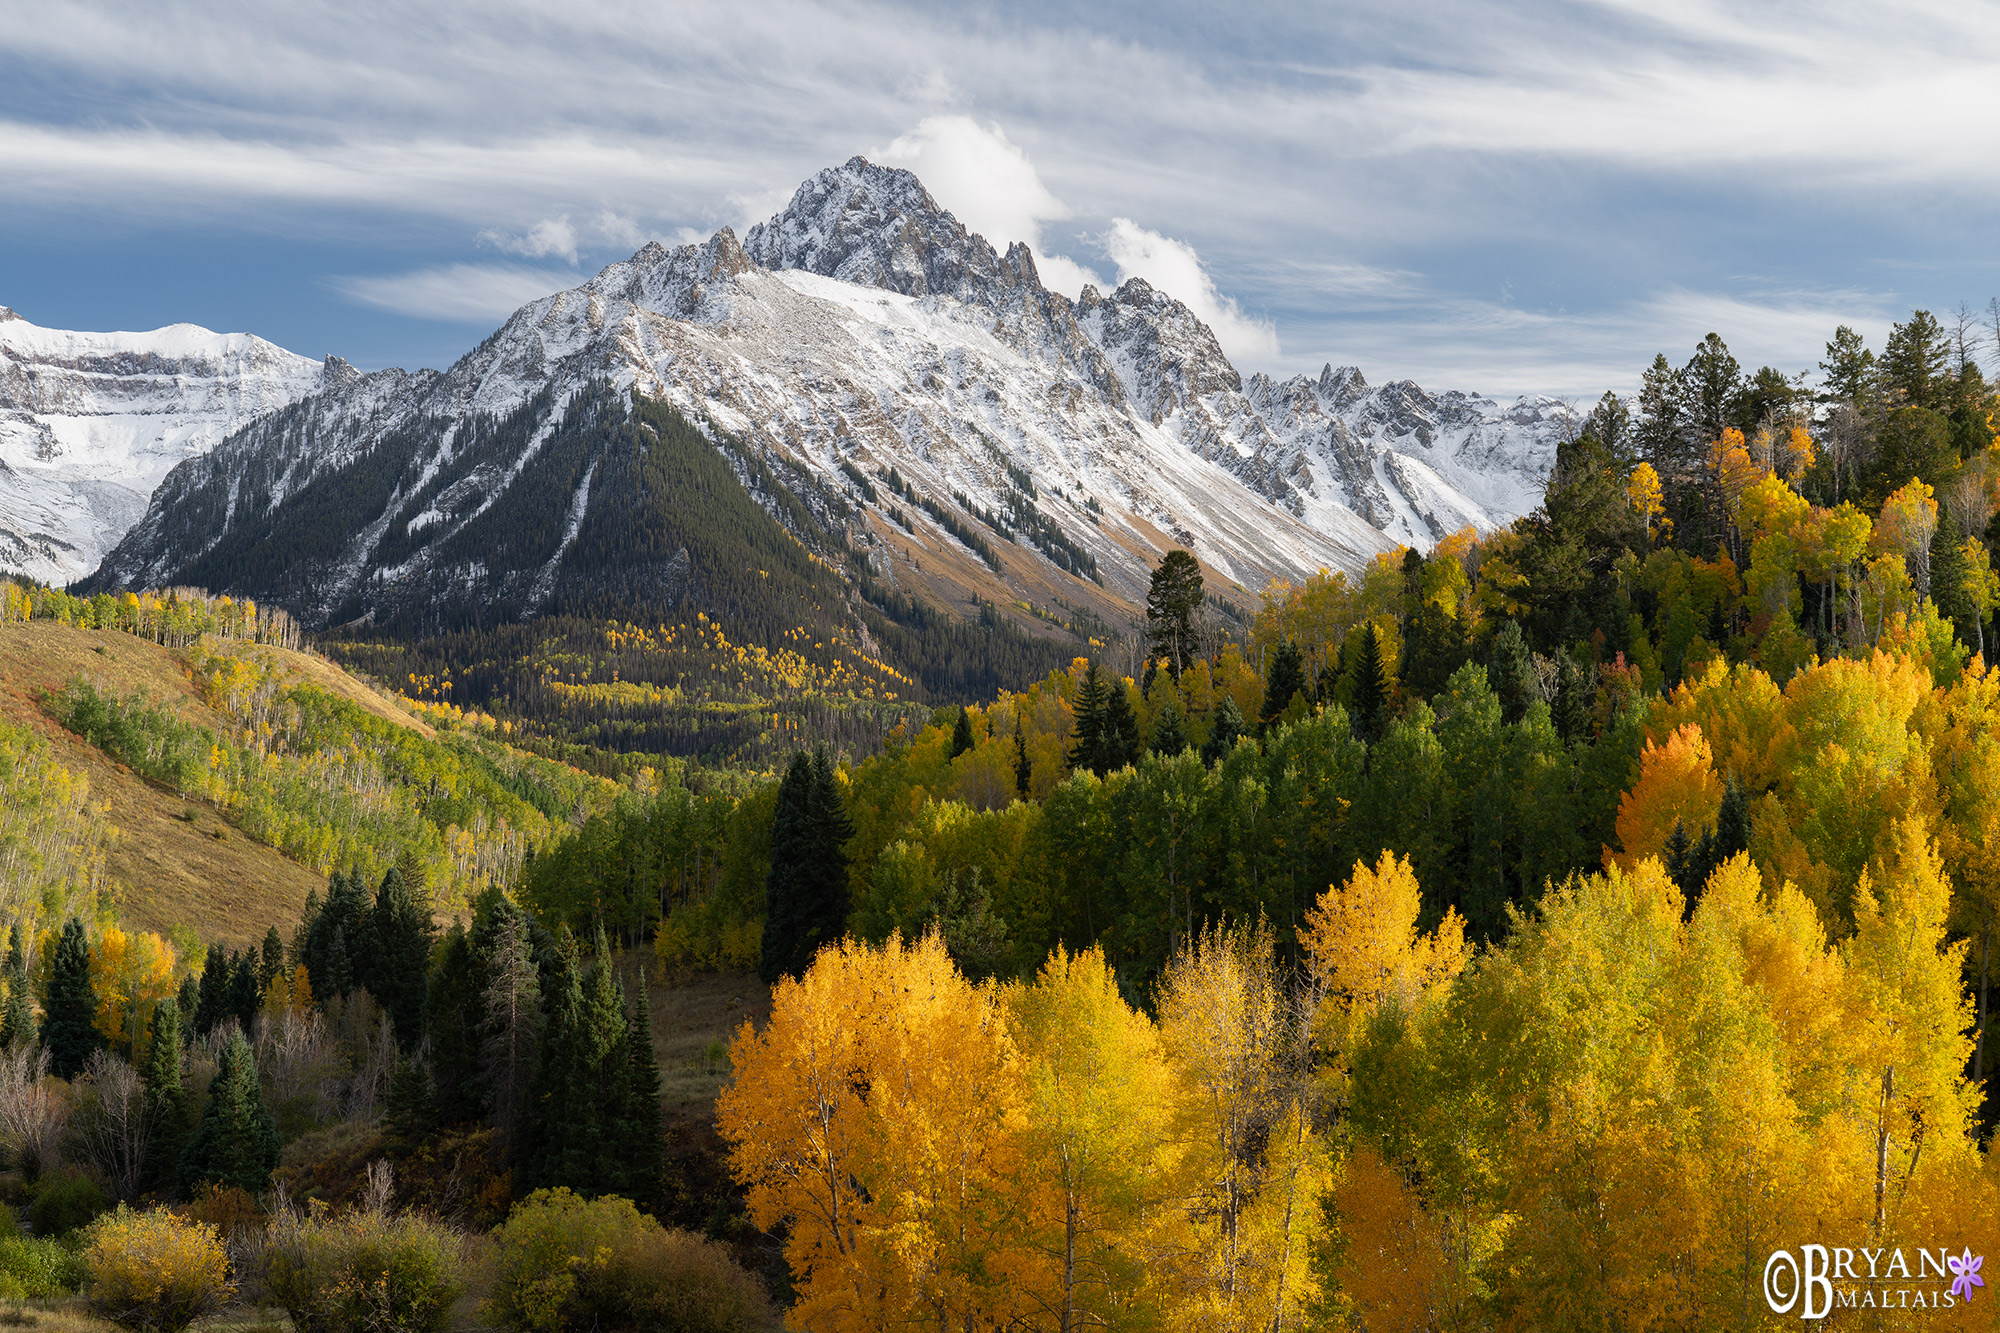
860	334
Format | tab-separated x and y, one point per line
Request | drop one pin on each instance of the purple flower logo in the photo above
1965	1271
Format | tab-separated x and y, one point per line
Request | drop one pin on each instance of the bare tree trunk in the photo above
1882	1145
1979	1038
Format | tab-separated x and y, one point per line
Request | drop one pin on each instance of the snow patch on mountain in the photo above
91	422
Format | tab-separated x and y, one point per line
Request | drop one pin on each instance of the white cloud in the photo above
468	293
551	236
989	184
1175	268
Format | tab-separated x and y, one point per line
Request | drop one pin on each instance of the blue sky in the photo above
1532	198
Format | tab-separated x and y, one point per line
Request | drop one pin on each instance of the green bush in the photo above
563	1264
156	1271
38	1268
64	1202
363	1272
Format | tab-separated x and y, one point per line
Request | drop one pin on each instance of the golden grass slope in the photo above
166	869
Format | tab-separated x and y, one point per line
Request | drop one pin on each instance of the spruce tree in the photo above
245	996
1285	677
334	938
1172	601
411	1108
961	734
788	880
1169	736
69	1019
1224	729
1024	770
188	999
397	962
273	960
1573	701
642	1144
237	1143
1513	672
212	1005
1371	684
1947	577
1119	743
17	1020
1087	735
454	1025
511	1052
166	1099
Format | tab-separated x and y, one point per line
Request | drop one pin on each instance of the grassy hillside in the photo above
226	778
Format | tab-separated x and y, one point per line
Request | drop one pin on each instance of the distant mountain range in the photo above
897	394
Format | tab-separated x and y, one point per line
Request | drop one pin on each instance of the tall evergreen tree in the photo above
805	892
237	1143
455	1023
334	937
641	1142
1948	577
1169	735
512	1047
1371	684
1093	698
1119	743
166	1099
273	960
213	1004
395	969
245	996
961	734
1224	730
1024	769
1573	700
69	1018
188	998
1172	601
585	1074
17	1020
1285	677
1513	672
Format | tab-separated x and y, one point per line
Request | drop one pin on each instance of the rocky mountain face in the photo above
91	422
895	391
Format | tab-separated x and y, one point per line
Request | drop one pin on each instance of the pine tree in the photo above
513	1032
333	938
246	997
1119	743
1169	736
1224	730
1172	600
1947	577
454	1025
1285	678
166	1099
1087	735
642	1143
395	969
188	998
1573	700
961	734
17	1020
273	960
1024	770
585	1068
805	892
237	1143
1371	684
212	1006
1513	672
411	1108
69	1019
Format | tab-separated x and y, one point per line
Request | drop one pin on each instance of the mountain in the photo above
905	401
91	422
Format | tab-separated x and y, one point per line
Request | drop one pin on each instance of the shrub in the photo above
155	1270
564	1263
63	1202
363	1272
37	1268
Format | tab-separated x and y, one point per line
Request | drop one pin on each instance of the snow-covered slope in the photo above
862	331
91	422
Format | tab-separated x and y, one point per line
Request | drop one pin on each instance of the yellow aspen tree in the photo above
1642	492
1362	948
1097	1152
877	1115
1677	787
1905	996
1250	1164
